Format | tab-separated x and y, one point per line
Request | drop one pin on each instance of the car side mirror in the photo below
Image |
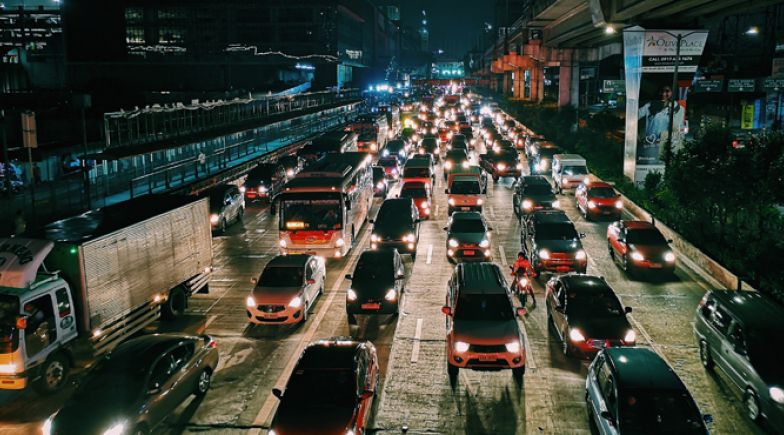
707	418
401	276
446	228
669	240
446	191
521	312
348	276
627	310
446	310
372	221
277	393
582	235
254	280
311	281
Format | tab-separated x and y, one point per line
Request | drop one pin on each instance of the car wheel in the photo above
54	374
223	225
321	290
550	324
610	251
203	383
518	373
565	345
413	256
305	309
705	357
175	304
240	214
495	178
453	371
752	405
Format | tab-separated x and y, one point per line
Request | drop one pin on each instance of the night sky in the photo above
453	24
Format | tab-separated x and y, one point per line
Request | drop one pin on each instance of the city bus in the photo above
373	131
322	209
335	141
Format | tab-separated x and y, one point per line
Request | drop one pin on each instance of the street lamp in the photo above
609	30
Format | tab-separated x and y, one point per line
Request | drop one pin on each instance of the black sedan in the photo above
138	385
376	285
379	182
586	315
468	237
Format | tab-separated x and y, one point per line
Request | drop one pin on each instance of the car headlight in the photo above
374	238
380	185
351	295
46	428
250	301
391	295
8	369
630	336
272	432
591	204
448	165
243	189
214	218
619	204
513	346
385	153
669	257
501	166
453	243
777	394
465	164
340	242
373	147
262	189
520	166
556	204
350	432
636	256
461	346
290	173
544	254
401	153
527	204
117	429
484	243
410	237
451	201
576	335
480	201
282	243
296	302
580	255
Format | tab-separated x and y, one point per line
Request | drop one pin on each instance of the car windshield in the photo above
113	373
575	170
9	335
656	412
602	192
411	172
387	163
467	131
413	192
556	231
459	145
507	155
548	152
538	189
327	388
467	187
395	145
261	172
429	143
483	307
369	271
456	156
467	226
394	213
281	277
645	237
310	214
593	304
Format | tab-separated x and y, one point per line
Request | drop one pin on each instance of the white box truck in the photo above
568	171
93	280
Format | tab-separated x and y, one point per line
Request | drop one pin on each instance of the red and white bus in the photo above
323	208
373	131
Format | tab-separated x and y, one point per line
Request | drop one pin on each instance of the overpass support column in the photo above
565	79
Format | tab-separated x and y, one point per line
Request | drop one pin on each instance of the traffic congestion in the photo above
432	266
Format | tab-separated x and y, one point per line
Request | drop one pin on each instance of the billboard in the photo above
650	57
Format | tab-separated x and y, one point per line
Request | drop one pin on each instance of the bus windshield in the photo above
311	214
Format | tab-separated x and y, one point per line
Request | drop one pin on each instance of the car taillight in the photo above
210	342
704	300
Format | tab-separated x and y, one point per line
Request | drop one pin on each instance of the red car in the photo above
331	390
421	194
598	199
391	167
639	246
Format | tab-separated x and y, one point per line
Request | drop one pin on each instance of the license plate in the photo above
310	253
468	252
488	357
596	344
563	269
655	266
371	306
465	208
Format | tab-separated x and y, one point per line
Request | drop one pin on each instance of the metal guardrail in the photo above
155	123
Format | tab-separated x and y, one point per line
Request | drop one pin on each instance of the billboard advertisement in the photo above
652	106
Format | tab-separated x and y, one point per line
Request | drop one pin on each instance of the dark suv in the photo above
586	315
633	390
396	226
533	192
552	243
740	332
376	285
264	181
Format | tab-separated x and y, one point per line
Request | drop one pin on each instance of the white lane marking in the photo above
260	231
436	213
429	254
417	335
492	212
209	321
503	255
271	403
529	352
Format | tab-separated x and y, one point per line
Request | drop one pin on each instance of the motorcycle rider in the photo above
522	267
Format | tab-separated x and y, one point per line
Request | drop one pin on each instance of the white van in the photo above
569	171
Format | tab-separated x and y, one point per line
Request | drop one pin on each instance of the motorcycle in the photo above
523	285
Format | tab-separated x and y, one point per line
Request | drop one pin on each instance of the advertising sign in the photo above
747	117
773	85
741	85
613	86
649	63
708	85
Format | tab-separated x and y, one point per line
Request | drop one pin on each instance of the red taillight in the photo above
213	344
704	300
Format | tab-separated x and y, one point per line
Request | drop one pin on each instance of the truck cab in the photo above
568	171
37	317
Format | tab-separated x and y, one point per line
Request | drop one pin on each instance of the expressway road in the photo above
415	391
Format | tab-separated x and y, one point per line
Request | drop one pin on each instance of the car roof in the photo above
377	256
638	225
753	309
535	179
465	215
480	278
331	353
146	349
550	216
397	203
585	283
413	185
292	260
593	184
642	368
